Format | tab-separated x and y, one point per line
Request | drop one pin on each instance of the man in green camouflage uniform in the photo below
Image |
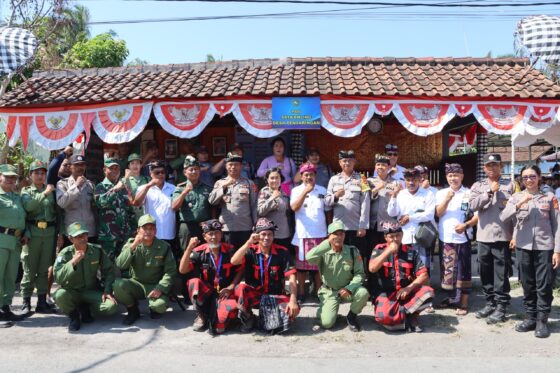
152	268
75	270
38	254
115	211
191	200
133	180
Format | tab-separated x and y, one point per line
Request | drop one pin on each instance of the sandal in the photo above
461	311
446	303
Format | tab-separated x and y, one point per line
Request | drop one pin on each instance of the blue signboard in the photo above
296	112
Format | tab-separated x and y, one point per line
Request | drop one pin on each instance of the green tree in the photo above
137	62
103	50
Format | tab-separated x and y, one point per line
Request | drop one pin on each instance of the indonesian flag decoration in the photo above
55	130
463	109
12	129
424	119
501	119
465	140
539	119
182	119
345	120
223	108
79	144
256	119
121	123
383	109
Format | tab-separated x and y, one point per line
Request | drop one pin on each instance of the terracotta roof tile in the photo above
437	77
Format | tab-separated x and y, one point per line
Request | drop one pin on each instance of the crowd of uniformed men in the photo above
228	248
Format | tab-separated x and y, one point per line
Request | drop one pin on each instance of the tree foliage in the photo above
102	50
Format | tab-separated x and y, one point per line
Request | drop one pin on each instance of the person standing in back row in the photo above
489	197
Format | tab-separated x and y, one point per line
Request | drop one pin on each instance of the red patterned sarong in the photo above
391	313
200	294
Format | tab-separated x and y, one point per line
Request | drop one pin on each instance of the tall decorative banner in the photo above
296	113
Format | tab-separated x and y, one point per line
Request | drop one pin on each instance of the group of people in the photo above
229	248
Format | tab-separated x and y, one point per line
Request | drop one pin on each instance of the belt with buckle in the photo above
11	231
41	224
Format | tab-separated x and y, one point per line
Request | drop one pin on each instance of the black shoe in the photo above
26	306
132	315
75	323
155	315
85	312
247	321
498	316
199	324
412	325
42	305
3	322
485	312
526	326
353	323
541	330
10	316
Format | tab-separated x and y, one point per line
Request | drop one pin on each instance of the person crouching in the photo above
211	288
399	293
266	267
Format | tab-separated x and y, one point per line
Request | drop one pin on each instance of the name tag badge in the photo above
95	262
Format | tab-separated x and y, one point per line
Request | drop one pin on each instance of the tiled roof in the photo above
427	77
522	154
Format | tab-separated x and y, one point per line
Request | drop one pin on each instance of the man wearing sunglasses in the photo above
395	170
156	197
489	197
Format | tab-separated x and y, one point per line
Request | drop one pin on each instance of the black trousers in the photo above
361	243
188	231
374	238
495	265
237	238
536	275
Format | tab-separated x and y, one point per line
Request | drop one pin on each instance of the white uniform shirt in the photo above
420	207
454	215
310	218
158	204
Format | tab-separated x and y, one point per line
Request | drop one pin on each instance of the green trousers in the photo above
129	291
9	264
36	257
68	300
112	248
329	302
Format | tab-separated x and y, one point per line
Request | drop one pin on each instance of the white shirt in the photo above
398	176
419	207
158	204
310	218
455	214
557	193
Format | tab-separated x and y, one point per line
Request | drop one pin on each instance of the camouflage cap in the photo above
191	161
77	228
134	157
335	226
108	162
146	219
37	165
8	170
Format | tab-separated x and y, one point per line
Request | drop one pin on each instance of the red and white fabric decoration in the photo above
539	119
55	130
501	119
345	119
256	118
184	119
121	123
424	119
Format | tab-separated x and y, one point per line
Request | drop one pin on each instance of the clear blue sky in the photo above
177	42
397	36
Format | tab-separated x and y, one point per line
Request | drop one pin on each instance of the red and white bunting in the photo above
424	119
503	119
539	119
256	118
55	130
345	119
121	123
184	119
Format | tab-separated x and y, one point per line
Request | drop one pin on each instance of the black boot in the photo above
155	315
42	305
247	321
541	330
353	323
498	316
10	316
75	323
26	306
132	316
486	311
3	322
527	325
85	312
